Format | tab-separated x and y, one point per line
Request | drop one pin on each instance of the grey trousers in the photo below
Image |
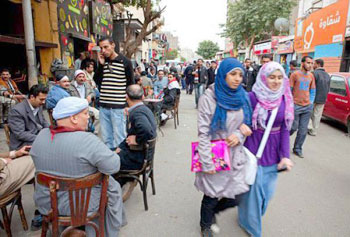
302	116
316	117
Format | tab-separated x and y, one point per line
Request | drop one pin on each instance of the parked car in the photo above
337	106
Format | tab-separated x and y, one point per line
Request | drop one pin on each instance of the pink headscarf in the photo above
269	99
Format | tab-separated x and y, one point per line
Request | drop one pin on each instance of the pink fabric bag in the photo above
220	153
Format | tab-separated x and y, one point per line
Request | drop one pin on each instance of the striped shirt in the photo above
114	79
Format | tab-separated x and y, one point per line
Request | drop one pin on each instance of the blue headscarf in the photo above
228	99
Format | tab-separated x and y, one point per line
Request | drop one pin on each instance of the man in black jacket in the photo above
323	82
211	73
249	75
141	128
114	74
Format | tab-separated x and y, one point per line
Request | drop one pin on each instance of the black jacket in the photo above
169	97
141	122
211	76
249	79
323	82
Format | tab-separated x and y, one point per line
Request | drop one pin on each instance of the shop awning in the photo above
21	41
78	36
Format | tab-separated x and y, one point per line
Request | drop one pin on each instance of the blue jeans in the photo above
253	204
198	90
302	115
113	126
183	83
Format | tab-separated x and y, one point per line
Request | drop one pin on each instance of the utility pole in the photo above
29	42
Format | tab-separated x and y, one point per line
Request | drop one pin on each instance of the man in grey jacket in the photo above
69	151
199	86
323	82
26	119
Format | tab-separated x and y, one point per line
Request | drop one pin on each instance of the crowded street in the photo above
157	118
312	200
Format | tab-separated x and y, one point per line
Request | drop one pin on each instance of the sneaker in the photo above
311	132
299	154
163	116
205	232
37	221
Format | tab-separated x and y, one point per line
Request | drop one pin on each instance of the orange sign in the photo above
325	26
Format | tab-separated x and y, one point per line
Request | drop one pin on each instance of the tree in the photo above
251	20
171	54
207	49
150	15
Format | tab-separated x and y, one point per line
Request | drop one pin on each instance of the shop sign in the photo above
101	18
285	47
325	26
263	48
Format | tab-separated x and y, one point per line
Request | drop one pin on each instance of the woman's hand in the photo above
245	130
285	163
232	140
210	172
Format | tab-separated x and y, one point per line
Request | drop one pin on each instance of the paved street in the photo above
312	200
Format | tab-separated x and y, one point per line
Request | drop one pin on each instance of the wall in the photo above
46	30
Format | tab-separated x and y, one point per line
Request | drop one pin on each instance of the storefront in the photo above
80	24
321	35
284	52
260	49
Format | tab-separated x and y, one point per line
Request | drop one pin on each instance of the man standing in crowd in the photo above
9	95
26	119
199	86
77	63
323	82
293	67
114	74
266	58
141	128
304	89
249	76
80	154
211	73
189	78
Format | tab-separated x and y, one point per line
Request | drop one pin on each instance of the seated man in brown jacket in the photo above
16	169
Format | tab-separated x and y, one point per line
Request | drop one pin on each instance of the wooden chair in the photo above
79	191
7	133
146	171
52	121
15	199
175	111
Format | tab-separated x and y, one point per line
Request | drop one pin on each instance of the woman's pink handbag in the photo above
220	153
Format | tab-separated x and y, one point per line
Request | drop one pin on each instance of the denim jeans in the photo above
113	126
211	206
302	116
253	204
198	90
183	83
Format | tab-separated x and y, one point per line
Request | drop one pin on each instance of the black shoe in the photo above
205	232
299	154
37	221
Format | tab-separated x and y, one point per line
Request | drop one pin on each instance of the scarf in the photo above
173	84
269	99
61	129
228	99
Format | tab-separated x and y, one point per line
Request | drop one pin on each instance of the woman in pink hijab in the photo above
271	90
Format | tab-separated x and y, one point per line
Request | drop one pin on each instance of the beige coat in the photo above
226	184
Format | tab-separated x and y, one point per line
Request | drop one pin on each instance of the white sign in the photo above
337	38
263	46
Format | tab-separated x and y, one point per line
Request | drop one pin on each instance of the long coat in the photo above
24	126
229	183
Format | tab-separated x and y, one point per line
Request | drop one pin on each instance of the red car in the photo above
337	106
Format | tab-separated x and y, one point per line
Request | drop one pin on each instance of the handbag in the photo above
220	154
251	166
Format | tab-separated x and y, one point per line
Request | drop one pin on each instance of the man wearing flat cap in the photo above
68	151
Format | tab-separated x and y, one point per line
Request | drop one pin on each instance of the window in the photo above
338	85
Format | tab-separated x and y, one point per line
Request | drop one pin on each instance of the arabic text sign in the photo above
324	26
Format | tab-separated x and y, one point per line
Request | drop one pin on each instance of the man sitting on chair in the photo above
141	127
26	119
58	91
16	169
68	151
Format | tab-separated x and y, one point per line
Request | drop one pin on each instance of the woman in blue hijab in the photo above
222	111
